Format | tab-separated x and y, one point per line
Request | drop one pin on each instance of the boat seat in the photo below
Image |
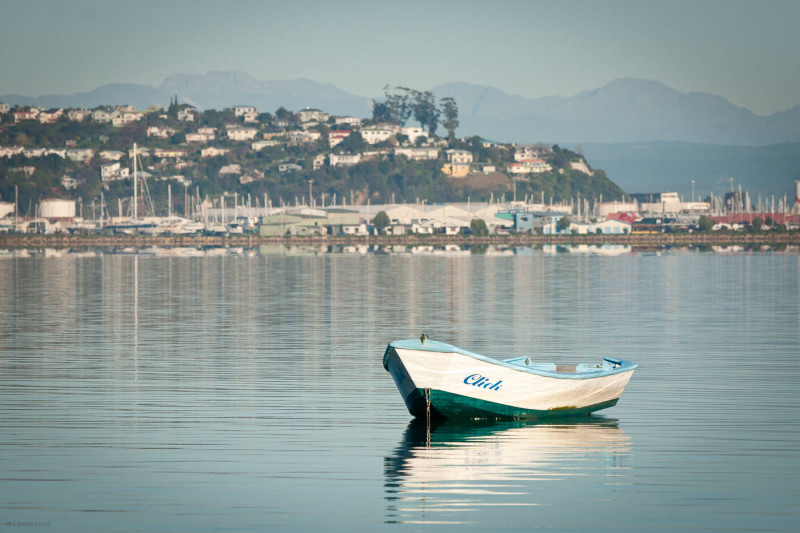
566	369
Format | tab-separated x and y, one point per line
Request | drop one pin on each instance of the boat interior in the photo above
609	363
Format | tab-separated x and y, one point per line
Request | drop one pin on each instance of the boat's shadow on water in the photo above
437	473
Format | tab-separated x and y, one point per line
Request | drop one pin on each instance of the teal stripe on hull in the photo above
446	405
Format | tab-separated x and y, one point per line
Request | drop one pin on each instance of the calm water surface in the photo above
246	393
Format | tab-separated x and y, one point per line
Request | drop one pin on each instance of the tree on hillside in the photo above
425	111
450	114
381	112
353	144
172	110
283	114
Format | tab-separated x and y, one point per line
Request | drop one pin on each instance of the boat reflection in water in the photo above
459	470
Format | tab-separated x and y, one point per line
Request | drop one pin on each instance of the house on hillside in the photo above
49	117
413	134
160	132
337	136
30	114
350	121
237	133
113	172
379	133
416	153
232	169
187	114
212	151
101	115
459	157
111	155
312	115
242	110
344	160
169	153
79	154
78	115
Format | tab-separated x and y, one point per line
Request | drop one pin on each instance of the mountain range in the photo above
646	135
625	110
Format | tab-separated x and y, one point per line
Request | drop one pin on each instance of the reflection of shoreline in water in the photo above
438	476
451	250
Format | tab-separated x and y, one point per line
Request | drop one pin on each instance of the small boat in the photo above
440	381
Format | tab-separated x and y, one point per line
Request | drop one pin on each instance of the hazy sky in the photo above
745	51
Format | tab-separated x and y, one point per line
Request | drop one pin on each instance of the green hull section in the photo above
446	405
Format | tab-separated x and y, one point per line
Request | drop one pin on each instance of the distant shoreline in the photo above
664	239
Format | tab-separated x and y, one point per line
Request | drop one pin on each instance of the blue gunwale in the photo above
436	346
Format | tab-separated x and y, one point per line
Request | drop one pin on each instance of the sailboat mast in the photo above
135	180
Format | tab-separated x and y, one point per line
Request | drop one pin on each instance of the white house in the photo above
260	145
187	115
337	136
111	155
101	115
236	133
233	168
242	110
113	172
531	151
4	108
289	167
48	118
303	137
417	153
157	131
344	160
459	157
413	134
168	153
120	117
79	154
379	133
197	138
528	166
352	121
30	114
318	162
212	151
8	151
141	151
308	115
78	115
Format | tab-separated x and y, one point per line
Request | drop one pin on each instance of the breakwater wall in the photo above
664	239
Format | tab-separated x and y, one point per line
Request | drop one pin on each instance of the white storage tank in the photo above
57	208
6	209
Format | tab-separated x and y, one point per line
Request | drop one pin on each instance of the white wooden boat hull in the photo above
456	383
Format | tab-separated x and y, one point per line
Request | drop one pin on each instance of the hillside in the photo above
281	156
623	111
